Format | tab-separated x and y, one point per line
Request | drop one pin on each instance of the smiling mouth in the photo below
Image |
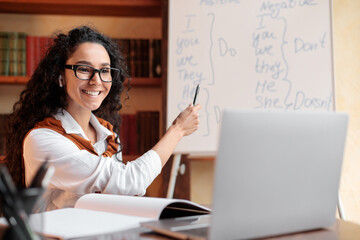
92	93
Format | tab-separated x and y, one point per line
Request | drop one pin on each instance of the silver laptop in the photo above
275	173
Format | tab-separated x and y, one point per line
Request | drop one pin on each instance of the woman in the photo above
68	115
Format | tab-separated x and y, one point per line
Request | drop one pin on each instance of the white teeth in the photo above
91	93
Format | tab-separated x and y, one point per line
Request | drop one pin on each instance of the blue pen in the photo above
196	93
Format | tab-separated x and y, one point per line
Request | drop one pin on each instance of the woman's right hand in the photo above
188	120
184	124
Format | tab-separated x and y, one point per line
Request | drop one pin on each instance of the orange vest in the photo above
81	142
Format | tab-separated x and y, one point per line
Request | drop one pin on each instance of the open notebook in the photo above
275	173
96	214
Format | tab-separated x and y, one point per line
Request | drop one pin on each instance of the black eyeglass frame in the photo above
74	68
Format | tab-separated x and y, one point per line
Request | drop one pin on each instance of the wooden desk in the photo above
342	230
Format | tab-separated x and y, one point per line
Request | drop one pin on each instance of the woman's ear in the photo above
61	81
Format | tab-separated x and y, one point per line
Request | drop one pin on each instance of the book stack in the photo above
139	132
12	54
143	56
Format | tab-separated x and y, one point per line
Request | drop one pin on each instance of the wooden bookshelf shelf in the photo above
145	82
13	79
123	8
135	82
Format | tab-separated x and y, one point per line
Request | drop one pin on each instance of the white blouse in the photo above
78	172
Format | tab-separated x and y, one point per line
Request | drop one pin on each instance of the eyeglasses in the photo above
85	72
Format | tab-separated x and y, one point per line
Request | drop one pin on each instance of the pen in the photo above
196	93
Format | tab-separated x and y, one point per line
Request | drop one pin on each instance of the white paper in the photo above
73	222
148	207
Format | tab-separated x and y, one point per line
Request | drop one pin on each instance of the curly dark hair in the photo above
43	97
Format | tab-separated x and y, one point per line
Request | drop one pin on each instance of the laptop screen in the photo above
276	172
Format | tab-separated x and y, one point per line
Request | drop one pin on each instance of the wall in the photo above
44	25
347	74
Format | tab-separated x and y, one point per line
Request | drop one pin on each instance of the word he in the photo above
189	91
265	86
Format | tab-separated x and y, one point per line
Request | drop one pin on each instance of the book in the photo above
143	60
36	48
144	207
141	55
31	49
155	128
4	53
124	47
132	57
156	61
151	57
142	130
13	56
98	214
147	129
128	134
21	52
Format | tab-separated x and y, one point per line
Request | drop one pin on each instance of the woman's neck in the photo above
82	117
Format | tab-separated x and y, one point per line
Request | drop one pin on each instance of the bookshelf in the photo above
125	8
116	8
146	10
15	10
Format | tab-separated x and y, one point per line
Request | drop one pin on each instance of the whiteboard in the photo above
257	54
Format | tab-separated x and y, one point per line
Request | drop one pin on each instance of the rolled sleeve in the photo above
134	177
